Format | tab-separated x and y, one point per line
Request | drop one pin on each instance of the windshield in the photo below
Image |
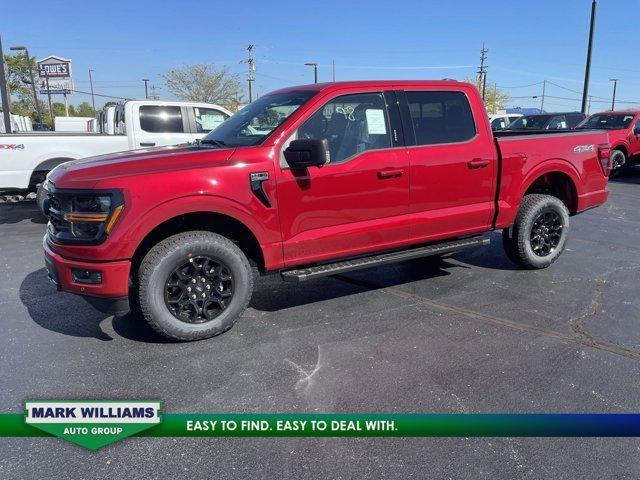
252	124
608	121
529	122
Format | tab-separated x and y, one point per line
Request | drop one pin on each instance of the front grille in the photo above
58	204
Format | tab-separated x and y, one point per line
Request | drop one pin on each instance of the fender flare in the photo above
205	203
551	166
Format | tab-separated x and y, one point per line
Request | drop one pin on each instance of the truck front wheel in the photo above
539	234
194	285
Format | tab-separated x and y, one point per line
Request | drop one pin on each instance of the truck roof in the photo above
630	111
370	83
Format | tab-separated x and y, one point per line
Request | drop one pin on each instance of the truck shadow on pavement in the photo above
631	176
20	211
69	314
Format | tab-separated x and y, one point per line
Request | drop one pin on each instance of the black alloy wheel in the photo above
199	289
546	233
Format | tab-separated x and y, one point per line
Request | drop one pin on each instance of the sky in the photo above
527	42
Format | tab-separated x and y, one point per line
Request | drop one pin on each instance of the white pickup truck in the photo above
26	158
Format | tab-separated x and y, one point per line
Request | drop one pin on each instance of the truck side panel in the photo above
573	157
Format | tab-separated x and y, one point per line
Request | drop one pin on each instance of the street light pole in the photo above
587	70
613	100
4	92
33	80
146	89
93	102
315	70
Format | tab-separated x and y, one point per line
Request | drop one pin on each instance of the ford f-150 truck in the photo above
311	181
623	128
26	158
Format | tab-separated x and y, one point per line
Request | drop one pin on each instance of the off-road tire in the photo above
517	240
167	255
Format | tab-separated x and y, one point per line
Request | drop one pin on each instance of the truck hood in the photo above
85	173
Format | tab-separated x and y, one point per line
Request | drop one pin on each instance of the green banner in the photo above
102	429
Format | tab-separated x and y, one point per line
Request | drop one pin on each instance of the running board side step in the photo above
303	274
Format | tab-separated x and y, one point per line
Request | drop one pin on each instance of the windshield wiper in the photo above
211	141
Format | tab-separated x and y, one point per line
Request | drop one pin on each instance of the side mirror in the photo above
307	153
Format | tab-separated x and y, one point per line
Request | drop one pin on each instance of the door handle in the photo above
147	144
478	163
390	173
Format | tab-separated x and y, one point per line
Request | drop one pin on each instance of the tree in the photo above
205	83
19	83
494	98
84	109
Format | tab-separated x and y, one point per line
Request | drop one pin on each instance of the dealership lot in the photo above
470	333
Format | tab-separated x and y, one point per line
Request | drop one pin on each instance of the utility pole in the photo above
315	70
613	100
93	102
33	80
4	92
251	64
333	69
482	71
46	79
587	70
146	89
544	88
589	106
153	92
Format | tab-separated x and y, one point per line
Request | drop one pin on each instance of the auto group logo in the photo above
11	146
92	424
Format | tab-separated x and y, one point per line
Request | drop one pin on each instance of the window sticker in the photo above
210	122
375	122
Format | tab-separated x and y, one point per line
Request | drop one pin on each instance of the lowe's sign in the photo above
56	72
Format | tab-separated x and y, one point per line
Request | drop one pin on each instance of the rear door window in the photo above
559	122
161	119
440	117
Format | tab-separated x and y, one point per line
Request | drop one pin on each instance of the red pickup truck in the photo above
311	181
623	128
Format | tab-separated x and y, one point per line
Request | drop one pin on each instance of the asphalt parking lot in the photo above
470	333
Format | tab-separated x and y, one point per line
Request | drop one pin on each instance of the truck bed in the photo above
574	154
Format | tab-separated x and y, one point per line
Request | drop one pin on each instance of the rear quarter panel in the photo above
524	159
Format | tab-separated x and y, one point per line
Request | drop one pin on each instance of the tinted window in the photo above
559	122
161	119
498	123
351	124
529	122
608	121
208	118
441	117
574	119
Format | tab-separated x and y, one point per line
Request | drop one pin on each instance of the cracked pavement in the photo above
469	333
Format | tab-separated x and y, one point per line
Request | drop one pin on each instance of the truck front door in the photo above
359	201
453	164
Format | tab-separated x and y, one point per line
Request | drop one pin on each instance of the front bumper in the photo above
109	296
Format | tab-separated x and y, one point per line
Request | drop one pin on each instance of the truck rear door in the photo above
453	163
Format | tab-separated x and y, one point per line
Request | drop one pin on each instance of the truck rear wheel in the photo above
194	285
539	233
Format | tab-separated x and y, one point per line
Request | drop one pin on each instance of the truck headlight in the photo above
82	216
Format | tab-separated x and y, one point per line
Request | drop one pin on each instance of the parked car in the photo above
500	121
26	158
546	121
350	175
623	128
